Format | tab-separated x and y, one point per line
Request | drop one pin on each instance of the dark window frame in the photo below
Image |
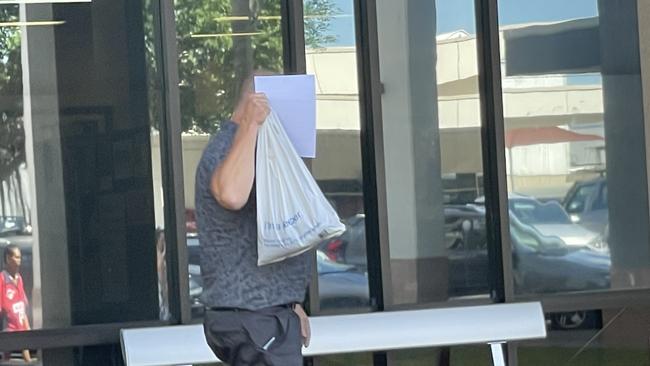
370	89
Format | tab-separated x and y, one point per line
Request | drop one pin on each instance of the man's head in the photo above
12	257
248	85
247	89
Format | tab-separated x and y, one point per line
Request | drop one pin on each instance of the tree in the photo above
212	63
318	20
12	136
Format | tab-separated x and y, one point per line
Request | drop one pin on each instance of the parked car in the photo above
586	203
196	289
542	262
194	274
546	264
340	285
550	253
551	220
349	247
466	244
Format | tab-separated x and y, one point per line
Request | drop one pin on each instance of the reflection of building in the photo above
529	101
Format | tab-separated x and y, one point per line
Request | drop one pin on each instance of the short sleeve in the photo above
213	156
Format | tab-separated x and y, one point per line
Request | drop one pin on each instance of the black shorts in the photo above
267	337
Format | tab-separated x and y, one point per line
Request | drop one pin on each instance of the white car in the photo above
551	220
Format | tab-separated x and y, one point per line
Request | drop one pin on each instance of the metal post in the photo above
498	358
172	163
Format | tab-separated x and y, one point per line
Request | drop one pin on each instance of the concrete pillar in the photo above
51	291
407	34
51	295
625	136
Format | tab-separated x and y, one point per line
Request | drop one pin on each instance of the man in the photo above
13	300
253	313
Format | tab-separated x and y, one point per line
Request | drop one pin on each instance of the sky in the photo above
459	14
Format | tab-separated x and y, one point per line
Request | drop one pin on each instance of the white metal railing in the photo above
381	331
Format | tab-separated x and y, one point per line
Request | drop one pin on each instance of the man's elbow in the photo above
230	200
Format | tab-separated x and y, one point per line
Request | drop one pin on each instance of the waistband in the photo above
290	305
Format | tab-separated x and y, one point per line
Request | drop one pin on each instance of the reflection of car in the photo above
349	247
194	273
196	289
551	220
466	243
543	263
550	253
339	285
586	203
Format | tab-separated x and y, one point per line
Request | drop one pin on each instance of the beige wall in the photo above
337	107
338	157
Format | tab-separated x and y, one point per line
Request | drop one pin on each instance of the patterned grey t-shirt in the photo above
228	242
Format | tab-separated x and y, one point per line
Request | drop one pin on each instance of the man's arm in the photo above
232	181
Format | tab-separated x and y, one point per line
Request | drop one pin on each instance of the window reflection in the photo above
575	169
75	160
220	43
218	47
331	57
17	278
432	151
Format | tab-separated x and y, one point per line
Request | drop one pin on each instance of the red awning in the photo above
544	135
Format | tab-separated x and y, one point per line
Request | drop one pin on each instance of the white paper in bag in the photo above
293	215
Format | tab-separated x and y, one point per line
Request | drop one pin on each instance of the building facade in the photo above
478	151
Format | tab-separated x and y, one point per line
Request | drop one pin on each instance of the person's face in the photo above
14	259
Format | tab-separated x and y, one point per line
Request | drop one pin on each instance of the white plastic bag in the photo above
293	215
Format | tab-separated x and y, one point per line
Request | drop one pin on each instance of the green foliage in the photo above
211	64
212	68
318	18
12	136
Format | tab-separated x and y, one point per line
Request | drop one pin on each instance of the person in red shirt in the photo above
13	300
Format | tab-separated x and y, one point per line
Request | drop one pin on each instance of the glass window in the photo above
219	43
330	50
577	201
432	152
571	76
218	47
601	201
78	105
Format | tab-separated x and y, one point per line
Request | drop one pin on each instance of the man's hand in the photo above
255	109
305	330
